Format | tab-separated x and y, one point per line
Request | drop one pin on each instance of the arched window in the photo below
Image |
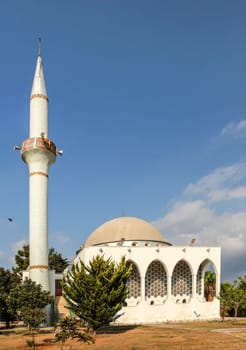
199	281
181	280
155	281
206	280
134	282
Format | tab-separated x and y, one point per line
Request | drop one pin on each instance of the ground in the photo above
227	335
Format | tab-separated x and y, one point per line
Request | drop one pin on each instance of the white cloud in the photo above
236	130
11	260
194	216
15	247
223	184
194	219
220	176
185	217
227	194
18	245
2	255
59	238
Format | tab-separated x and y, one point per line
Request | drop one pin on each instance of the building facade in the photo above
167	282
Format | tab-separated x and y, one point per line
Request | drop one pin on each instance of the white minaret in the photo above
38	152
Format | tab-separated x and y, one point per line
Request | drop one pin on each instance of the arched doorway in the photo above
206	281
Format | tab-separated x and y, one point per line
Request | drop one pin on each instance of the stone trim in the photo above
38	173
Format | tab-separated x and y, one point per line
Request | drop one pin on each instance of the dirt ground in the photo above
227	335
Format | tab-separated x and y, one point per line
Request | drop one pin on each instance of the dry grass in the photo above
229	335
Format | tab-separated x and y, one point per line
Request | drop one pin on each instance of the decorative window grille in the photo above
134	282
155	280
181	280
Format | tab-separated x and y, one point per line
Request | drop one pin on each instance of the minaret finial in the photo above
39	45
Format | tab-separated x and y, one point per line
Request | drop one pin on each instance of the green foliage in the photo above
96	292
8	281
29	300
233	296
68	328
22	259
209	285
56	261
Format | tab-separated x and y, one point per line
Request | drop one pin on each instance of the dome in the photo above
125	229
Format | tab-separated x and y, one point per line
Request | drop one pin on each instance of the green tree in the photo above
96	292
56	261
226	293
242	285
7	282
242	282
29	300
68	329
233	296
22	259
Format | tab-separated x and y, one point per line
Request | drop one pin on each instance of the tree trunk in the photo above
7	319
236	311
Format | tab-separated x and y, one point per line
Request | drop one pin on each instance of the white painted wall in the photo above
139	311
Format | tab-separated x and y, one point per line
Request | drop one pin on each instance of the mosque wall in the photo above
167	282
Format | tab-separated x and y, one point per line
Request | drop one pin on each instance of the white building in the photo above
167	282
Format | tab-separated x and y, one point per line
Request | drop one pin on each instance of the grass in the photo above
228	335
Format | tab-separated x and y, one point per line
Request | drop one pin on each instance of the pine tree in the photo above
96	292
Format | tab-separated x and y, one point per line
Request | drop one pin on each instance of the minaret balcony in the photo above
38	143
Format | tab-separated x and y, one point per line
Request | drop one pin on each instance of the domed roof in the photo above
124	229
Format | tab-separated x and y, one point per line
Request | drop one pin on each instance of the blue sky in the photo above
148	102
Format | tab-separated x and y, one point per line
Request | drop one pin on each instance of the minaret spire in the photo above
39	102
38	85
39	45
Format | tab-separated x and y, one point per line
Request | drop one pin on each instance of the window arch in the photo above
182	279
206	280
134	282
155	281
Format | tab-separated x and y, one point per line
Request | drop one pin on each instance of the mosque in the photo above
167	281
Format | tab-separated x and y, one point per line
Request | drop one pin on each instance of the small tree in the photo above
68	329
233	296
96	292
8	281
29	300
